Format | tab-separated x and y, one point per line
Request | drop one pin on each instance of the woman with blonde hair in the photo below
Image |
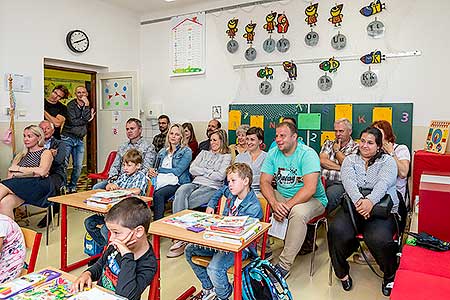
241	143
171	169
28	180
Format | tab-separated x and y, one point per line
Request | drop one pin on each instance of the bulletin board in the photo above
316	121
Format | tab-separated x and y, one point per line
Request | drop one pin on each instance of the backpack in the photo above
261	281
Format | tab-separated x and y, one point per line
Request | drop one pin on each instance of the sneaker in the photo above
179	250
176	244
209	294
284	273
386	287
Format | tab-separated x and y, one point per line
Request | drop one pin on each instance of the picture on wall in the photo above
117	93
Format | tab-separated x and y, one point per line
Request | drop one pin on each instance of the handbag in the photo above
380	210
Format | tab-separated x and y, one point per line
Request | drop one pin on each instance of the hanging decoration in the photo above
330	65
373	8
10	132
369	78
374	57
325	82
339	41
312	38
249	35
311	14
287	86
269	43
283	44
336	15
265	87
375	29
232	45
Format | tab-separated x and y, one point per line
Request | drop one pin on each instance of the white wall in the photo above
33	30
410	25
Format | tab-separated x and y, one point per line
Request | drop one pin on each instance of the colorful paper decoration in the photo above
325	83
374	57
257	121
330	65
327	135
291	68
266	73
375	29
269	45
282	23
339	41
312	38
287	87
343	111
437	137
232	45
382	113
234	119
369	78
373	8
270	22
336	15
309	121
311	14
249	35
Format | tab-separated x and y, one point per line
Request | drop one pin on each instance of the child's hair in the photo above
243	170
132	155
130	213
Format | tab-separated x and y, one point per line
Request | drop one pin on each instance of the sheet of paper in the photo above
327	135
234	119
343	111
257	121
309	121
278	229
382	113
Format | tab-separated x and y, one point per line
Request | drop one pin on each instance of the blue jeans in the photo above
160	198
99	235
100	185
215	275
74	147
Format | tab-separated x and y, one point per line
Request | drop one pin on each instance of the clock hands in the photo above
76	42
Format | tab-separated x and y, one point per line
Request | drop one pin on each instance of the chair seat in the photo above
204	261
97	176
318	218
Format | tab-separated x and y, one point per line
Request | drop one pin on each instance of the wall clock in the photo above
77	41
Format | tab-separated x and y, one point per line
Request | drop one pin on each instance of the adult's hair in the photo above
182	142
63	89
47	122
164	117
344	121
242	129
242	169
133	155
256	131
293	120
223	137
387	129
378	140
137	121
189	126
292	127
37	131
219	125
130	213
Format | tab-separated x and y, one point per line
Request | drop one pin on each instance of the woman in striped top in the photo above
28	180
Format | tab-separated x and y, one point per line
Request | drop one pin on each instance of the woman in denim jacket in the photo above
171	169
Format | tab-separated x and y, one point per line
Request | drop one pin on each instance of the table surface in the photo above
171	231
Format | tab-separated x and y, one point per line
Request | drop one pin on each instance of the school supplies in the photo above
96	294
234	225
26	282
106	200
236	239
194	219
57	289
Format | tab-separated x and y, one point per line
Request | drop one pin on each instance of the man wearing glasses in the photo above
55	111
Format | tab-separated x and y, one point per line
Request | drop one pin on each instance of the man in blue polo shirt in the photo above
299	195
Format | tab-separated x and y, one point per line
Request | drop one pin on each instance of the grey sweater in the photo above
208	168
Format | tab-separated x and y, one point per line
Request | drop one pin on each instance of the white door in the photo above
117	101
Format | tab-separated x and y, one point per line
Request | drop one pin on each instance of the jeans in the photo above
99	235
215	275
100	185
160	198
192	195
74	147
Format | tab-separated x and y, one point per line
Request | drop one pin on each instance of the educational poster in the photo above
188	44
234	119
437	137
117	93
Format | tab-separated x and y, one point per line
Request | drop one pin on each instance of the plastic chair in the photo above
103	175
33	242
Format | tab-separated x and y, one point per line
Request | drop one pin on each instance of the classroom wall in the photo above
410	25
33	30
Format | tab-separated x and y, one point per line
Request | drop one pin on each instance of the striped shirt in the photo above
350	148
31	159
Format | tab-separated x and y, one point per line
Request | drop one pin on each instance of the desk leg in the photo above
155	290
63	237
238	275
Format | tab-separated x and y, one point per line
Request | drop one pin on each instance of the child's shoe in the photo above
209	294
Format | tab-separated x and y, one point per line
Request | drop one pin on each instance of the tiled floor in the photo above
177	276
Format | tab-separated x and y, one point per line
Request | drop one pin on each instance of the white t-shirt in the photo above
402	153
164	179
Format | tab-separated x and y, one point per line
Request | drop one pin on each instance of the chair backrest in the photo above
32	242
111	157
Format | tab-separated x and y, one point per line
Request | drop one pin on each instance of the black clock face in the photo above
77	41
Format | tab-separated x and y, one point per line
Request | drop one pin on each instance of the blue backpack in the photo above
258	285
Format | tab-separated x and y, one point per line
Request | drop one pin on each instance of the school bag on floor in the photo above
258	285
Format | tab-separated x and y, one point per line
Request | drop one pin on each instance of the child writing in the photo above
128	265
131	179
241	201
12	249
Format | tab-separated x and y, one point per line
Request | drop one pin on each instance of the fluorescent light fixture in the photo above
170	0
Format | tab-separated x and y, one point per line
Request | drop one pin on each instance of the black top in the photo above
205	145
57	171
124	275
54	110
77	120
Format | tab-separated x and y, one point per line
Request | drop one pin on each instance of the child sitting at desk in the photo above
128	265
12	249
131	179
241	201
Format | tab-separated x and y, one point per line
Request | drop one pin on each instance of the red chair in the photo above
104	174
33	242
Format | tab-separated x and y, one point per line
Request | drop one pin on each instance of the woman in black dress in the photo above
28	180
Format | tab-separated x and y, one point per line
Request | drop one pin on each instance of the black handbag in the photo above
380	210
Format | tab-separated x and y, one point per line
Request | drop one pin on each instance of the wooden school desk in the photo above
77	201
160	229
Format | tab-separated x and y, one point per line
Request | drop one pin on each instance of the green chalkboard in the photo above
402	119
